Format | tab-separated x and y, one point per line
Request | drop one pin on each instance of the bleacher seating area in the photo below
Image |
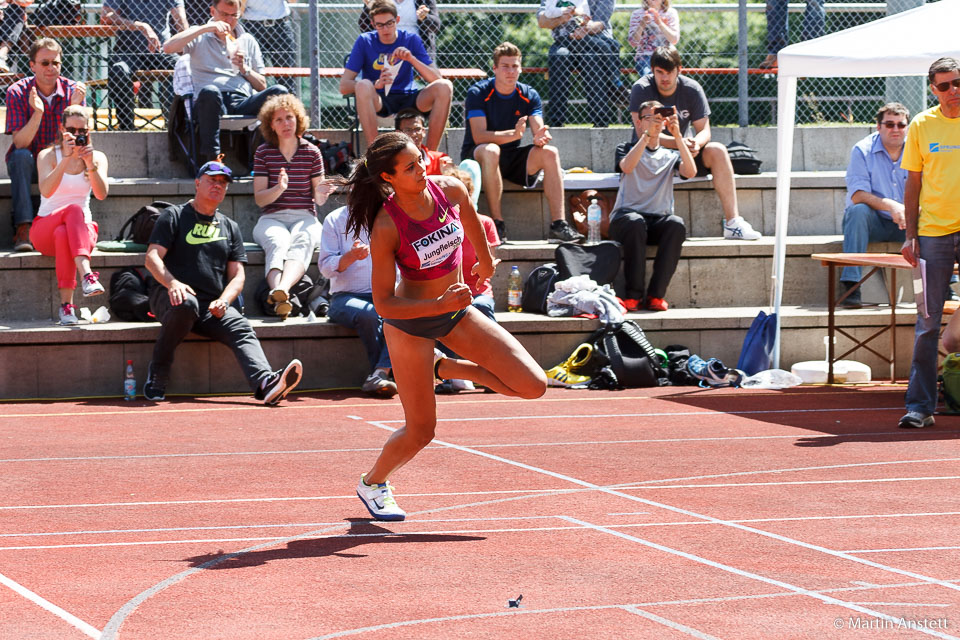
717	290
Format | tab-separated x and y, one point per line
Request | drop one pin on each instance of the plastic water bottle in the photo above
593	222
129	383
514	289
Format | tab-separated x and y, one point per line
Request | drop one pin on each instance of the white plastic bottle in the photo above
514	289
593	222
129	383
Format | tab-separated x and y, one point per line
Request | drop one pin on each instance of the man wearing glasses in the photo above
875	182
197	256
34	109
385	60
931	157
227	69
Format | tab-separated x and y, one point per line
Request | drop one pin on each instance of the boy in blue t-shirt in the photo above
498	111
385	59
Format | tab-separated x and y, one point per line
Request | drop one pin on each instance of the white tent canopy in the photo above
904	44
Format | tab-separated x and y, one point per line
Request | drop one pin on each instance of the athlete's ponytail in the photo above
367	190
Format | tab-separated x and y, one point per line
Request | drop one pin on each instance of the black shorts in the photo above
429	327
397	102
513	166
702	170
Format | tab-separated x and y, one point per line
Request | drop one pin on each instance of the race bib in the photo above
434	248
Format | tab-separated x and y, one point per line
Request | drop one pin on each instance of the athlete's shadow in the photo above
362	532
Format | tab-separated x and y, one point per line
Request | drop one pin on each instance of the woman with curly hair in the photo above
417	224
288	183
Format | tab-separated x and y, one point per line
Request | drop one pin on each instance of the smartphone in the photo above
81	140
666	112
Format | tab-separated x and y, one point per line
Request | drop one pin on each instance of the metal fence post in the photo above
742	103
314	18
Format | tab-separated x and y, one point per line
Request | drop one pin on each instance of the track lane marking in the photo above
43	603
676	626
755	576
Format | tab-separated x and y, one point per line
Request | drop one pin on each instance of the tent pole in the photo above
786	114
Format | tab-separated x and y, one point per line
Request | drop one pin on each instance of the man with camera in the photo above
667	85
643	212
35	107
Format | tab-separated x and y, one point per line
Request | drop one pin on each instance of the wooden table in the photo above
875	261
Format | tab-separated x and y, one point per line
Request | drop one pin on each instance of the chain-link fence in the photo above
131	87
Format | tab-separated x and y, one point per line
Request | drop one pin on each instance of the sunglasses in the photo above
384	25
225	14
47	63
77	130
891	125
943	87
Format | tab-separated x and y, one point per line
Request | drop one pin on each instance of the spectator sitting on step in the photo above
288	184
345	261
498	111
416	16
137	48
196	254
271	23
482	292
669	86
385	60
875	184
69	170
35	108
227	69
411	122
643	212
13	17
583	42
656	25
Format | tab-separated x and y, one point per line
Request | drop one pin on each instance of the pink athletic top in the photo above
428	248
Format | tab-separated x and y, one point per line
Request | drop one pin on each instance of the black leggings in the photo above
635	230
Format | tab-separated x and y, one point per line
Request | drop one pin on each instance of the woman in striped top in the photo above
288	183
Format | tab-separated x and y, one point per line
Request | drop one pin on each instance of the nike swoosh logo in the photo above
444	216
378	504
192	239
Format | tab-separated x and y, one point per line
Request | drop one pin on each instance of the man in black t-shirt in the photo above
498	111
668	86
197	255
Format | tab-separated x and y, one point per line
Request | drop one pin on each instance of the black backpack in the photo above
140	225
632	357
537	287
336	155
130	289
600	261
305	296
744	159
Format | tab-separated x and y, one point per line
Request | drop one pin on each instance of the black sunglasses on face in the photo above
77	130
943	87
47	63
890	125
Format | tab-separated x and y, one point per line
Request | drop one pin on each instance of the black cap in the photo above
215	168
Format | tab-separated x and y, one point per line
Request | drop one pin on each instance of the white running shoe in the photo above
379	501
739	229
68	314
91	284
379	384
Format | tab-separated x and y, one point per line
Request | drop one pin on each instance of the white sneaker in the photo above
739	229
379	384
91	284
379	501
459	384
68	314
437	357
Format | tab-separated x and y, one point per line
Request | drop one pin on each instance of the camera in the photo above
666	112
80	140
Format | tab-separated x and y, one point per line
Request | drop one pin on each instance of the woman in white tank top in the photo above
68	171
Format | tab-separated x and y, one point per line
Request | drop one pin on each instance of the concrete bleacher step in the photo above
40	360
712	273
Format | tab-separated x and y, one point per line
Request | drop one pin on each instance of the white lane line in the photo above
687	512
902	549
793	436
795	482
754	576
667	414
902	604
66	616
295	452
84	505
676	626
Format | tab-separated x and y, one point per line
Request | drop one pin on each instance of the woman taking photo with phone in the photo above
69	171
417	224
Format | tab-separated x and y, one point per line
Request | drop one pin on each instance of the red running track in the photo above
670	513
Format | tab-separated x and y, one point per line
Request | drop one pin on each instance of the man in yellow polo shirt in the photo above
931	203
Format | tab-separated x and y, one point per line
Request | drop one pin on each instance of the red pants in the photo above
64	235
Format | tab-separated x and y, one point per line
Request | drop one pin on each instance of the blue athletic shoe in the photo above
712	372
